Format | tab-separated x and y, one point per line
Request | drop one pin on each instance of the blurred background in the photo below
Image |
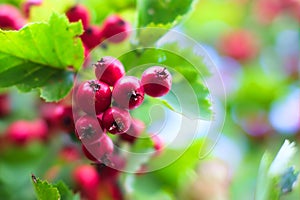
255	45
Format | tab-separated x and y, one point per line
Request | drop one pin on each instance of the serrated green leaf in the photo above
160	14
57	86
44	190
65	192
41	52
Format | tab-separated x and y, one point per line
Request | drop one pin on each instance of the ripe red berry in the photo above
109	70
5	106
87	153
128	92
100	150
92	37
87	180
39	129
11	18
136	129
69	154
88	129
20	132
93	96
157	144
116	120
239	44
157	81
79	12
26	6
115	26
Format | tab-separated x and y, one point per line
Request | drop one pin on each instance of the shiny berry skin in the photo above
93	96
11	18
136	129
88	129
26	6
128	92
116	120
92	37
79	12
100	150
5	105
114	25
157	81
87	180
109	70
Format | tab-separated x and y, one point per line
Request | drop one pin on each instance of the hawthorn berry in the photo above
92	37
88	129
39	129
116	120
20	132
157	81
135	130
109	70
69	154
79	12
87	180
157	144
5	106
115	25
11	18
93	96
100	150
128	92
239	44
26	6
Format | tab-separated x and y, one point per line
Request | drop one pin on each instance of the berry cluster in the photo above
106	103
93	35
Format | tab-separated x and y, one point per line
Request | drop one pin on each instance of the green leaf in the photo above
44	190
47	191
65	192
41	52
159	14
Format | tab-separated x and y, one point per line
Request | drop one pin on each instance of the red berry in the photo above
116	120
109	70
157	144
114	25
20	132
93	96
69	154
79	12
128	92
136	129
92	37
5	106
239	44
39	129
87	180
88	129
157	81
10	17
100	150
26	6
111	171
88	154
